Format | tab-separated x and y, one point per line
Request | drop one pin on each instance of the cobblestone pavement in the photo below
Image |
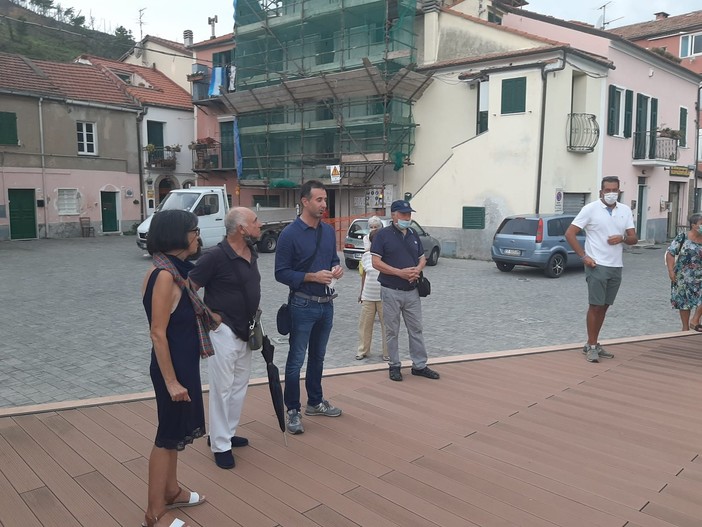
73	327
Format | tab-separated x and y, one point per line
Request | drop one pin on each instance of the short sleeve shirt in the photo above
399	251
599	225
225	276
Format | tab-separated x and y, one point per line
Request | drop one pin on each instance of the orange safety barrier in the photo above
341	226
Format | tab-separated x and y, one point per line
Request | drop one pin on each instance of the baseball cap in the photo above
401	206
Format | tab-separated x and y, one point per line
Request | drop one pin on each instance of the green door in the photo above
109	211
23	213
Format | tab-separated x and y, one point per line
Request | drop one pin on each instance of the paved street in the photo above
73	326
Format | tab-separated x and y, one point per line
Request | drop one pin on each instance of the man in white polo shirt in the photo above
608	225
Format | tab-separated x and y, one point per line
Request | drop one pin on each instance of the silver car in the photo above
536	240
353	244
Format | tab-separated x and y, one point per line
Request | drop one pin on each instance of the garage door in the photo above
573	202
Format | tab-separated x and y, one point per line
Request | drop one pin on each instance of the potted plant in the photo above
150	148
669	132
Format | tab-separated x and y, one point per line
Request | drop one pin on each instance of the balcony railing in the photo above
160	158
211	156
651	146
583	132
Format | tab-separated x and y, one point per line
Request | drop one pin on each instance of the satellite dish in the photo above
137	51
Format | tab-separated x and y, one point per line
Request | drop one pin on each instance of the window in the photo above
683	127
514	95
68	201
222	59
483	106
266	201
690	45
619	113
209	204
87	141
473	217
8	128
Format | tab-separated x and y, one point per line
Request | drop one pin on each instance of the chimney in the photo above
188	38
661	15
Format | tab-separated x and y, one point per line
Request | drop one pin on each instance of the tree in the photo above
42	6
78	20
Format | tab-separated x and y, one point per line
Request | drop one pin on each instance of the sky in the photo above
168	18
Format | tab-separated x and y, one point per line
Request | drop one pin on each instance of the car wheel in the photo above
268	243
504	267
433	256
555	266
351	264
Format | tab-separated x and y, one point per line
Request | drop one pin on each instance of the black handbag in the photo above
423	285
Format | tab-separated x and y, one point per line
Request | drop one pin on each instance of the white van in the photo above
208	203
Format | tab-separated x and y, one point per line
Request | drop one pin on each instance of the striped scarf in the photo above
203	315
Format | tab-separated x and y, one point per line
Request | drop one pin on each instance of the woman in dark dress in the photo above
175	357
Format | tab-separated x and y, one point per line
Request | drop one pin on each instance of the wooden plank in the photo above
61	484
109	442
112	499
49	510
15	469
674	517
64	455
135	489
13	510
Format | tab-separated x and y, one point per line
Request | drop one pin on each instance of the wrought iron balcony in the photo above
211	156
582	132
160	158
651	148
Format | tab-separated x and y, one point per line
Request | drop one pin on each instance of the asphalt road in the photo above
73	327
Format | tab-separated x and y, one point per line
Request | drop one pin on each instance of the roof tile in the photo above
654	28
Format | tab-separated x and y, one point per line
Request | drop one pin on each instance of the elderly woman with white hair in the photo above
369	297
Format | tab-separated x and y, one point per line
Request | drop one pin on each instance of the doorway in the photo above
641	209
675	213
109	211
23	213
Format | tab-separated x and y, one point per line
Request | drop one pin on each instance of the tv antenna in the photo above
212	21
602	22
141	23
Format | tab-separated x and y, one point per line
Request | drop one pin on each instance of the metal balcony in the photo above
582	132
651	149
208	157
163	158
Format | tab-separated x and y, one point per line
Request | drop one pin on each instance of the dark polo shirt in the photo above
399	251
295	245
216	270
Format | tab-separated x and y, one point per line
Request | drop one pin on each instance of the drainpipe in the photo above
695	205
43	167
139	120
544	83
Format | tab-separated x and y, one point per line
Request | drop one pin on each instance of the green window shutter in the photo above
683	127
514	95
628	112
653	128
612	111
473	217
8	128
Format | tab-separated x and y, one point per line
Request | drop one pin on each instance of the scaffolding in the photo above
324	82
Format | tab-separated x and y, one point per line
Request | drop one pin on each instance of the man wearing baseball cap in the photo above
399	257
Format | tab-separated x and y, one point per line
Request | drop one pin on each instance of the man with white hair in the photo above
229	273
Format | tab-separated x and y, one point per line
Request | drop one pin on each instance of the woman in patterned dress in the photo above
685	274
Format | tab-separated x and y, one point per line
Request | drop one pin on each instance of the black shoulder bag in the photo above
282	318
423	283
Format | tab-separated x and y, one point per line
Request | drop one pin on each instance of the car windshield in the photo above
518	226
177	201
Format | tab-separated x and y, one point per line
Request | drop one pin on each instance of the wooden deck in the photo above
532	440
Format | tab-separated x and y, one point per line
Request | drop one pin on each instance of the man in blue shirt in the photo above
306	261
399	257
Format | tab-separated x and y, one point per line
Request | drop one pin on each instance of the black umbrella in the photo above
274	384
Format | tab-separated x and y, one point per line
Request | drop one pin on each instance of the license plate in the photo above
512	252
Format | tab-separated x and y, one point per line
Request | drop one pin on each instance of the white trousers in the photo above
229	370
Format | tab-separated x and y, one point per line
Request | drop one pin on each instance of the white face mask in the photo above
610	198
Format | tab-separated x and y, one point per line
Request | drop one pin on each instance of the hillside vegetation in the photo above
58	35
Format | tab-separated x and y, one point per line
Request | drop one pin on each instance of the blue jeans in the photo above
311	326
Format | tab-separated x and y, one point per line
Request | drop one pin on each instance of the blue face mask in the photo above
404	224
